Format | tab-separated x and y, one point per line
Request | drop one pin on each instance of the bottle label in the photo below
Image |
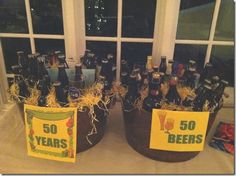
51	133
154	92
178	130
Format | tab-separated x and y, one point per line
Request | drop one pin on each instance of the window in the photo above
31	26
117	21
205	32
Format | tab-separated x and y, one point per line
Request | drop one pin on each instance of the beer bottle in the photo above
89	60
79	76
189	77
144	78
201	98
84	58
62	60
111	70
149	67
23	62
166	77
106	71
180	71
47	81
207	72
124	72
155	68
132	95
23	89
44	92
33	70
163	65
188	102
41	68
149	63
62	76
19	80
16	71
173	96
153	100
60	95
136	71
220	90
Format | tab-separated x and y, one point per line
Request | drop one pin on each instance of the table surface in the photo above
112	155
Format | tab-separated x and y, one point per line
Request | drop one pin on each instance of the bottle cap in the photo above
132	75
207	86
104	61
124	73
57	83
61	56
136	70
110	56
207	81
224	82
57	52
123	62
61	66
30	56
215	78
149	58
37	54
208	65
163	57
192	62
155	67
170	61
20	52
102	78
78	65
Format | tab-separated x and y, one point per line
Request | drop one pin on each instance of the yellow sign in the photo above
51	132
178	130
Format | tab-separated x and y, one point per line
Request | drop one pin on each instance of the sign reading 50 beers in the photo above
51	132
178	130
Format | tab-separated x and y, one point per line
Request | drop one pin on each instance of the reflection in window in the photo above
138	18
222	58
225	21
195	19
136	53
101	17
47	16
44	46
101	49
13	17
183	53
10	46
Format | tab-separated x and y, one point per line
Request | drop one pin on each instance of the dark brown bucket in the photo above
137	131
84	127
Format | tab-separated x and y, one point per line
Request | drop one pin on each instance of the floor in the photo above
112	155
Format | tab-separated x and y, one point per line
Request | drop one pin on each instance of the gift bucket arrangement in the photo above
173	87
47	81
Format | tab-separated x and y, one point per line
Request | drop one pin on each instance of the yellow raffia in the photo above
183	92
51	99
14	92
91	97
34	96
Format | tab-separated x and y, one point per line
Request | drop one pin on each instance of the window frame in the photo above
164	37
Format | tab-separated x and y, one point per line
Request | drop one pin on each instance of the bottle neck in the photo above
169	69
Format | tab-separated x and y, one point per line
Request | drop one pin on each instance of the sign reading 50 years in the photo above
51	132
178	130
